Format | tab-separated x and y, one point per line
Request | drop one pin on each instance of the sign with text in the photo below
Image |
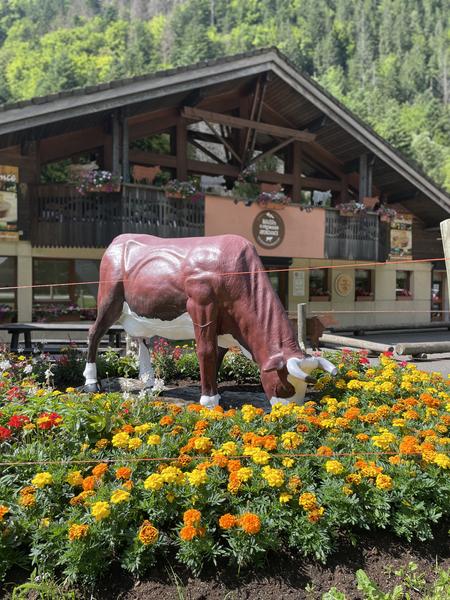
401	237
268	229
8	198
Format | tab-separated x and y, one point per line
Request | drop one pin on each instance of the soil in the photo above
385	560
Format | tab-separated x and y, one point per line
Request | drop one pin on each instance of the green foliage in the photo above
388	61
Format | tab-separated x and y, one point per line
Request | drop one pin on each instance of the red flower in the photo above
48	420
17	421
364	361
15	393
5	433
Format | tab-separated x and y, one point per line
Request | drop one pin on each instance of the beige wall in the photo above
304	231
392	311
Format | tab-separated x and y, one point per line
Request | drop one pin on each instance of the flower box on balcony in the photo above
368	298
324	298
107	187
404	298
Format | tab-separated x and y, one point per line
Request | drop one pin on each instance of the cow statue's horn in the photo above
293	367
327	366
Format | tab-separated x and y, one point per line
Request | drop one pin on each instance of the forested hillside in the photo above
388	60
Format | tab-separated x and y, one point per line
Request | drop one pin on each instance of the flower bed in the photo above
129	480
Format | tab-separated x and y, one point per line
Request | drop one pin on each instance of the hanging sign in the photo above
268	229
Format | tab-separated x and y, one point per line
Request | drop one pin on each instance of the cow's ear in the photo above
274	363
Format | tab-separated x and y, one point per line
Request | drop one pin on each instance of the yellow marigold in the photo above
140	429
119	496
154	439
77	532
354	384
274	477
75	478
442	460
44	522
260	457
250	523
29	426
192	516
384	440
134	443
154	482
197	477
334	467
172	475
249	412
100	510
227	521
102	443
120	440
347	490
244	474
294	483
188	533
229	449
40	480
203	444
308	501
27	500
148	534
285	497
383	482
287	462
429	455
3	511
123	473
291	440
99	470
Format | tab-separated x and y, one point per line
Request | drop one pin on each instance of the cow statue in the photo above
213	289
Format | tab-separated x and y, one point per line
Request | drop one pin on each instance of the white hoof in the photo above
210	401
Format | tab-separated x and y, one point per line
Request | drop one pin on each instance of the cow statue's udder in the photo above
211	289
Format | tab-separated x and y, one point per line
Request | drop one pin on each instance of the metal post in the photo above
301	325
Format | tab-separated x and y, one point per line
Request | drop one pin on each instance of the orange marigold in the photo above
192	517
233	465
148	534
127	428
324	451
76	532
188	533
123	473
250	523
99	470
409	445
234	483
89	483
227	521
166	420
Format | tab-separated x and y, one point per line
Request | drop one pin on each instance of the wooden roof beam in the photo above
196	114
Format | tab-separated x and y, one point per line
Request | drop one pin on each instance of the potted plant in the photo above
351	209
246	186
7	313
274	200
319	296
98	181
363	296
187	190
387	215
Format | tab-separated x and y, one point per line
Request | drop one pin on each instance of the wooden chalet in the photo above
250	107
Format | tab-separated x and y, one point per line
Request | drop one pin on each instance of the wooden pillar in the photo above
115	130
344	192
125	150
181	149
297	171
363	176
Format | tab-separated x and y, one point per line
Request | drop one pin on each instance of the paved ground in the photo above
434	362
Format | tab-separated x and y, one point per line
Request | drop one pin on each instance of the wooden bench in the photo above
26	329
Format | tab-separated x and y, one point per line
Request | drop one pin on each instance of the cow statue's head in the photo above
285	380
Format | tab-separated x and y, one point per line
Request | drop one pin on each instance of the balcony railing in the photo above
61	217
363	237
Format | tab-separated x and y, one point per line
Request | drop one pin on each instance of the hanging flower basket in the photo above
351	209
98	181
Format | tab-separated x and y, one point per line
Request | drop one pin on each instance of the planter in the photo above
270	187
108	188
405	298
348	213
319	298
272	205
364	298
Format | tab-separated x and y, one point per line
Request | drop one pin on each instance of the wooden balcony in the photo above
61	217
363	237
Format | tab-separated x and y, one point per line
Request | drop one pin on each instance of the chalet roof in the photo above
291	96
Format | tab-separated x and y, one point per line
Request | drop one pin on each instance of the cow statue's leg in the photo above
110	302
146	371
204	318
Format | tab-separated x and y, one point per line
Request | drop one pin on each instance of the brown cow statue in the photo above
212	289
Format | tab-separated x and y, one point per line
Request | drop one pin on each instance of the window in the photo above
318	285
364	288
50	301
8	277
403	289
